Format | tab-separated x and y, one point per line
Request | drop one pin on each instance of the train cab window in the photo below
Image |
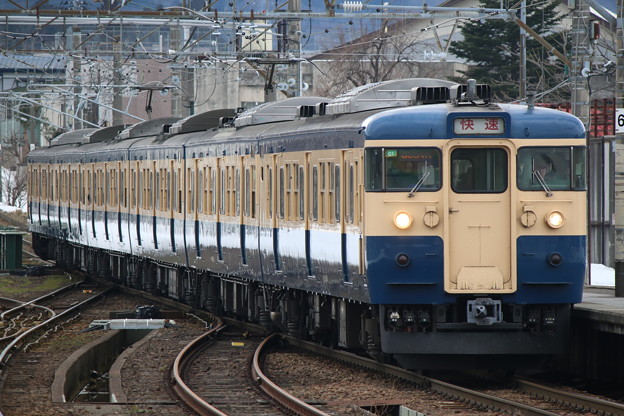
479	170
551	168
402	169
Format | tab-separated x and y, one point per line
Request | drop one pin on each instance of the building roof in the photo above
31	63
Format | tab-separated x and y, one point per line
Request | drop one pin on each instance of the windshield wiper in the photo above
542	182
418	184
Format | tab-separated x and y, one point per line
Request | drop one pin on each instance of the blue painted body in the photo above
422	281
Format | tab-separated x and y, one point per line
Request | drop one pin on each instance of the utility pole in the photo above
294	46
580	62
117	98
523	86
76	78
619	154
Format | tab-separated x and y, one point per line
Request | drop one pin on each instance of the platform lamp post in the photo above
619	153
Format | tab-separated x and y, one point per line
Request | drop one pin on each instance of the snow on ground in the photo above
602	275
8	208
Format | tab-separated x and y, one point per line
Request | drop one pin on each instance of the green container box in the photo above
10	249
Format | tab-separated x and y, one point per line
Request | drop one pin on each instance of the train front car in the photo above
475	230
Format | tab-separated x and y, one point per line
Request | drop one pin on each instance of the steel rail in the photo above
447	389
282	396
15	345
183	391
41	299
600	406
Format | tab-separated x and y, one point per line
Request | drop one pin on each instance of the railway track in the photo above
545	400
223	355
570	399
74	300
211	375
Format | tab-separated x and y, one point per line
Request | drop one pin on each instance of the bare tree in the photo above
14	180
387	53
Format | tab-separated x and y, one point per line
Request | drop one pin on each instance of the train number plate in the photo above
479	125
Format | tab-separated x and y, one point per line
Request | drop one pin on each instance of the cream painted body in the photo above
479	230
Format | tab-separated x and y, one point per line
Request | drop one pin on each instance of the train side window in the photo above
315	193
247	186
556	168
237	195
253	192
222	193
158	190
479	170
150	190
200	190
323	190
174	191
179	190
141	188
122	188
133	187
270	182
351	193
301	193
213	191
191	192
54	186
281	192
337	196
289	191
107	188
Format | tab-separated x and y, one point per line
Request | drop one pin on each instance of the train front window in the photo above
479	170
402	169
552	168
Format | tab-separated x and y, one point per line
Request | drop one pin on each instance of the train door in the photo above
265	222
250	224
480	256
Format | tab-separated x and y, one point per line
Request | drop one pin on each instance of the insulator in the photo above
352	6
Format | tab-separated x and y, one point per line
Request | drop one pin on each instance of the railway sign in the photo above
619	120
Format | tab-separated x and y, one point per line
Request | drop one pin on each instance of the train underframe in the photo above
415	336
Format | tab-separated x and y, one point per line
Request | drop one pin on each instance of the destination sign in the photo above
479	125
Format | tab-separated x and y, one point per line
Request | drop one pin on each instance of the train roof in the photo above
397	109
74	136
435	122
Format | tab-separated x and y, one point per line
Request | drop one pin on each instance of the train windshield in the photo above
408	169
551	168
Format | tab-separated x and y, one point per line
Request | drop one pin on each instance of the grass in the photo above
12	286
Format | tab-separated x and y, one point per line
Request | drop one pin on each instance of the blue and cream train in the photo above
413	219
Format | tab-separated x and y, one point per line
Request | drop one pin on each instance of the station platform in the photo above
601	310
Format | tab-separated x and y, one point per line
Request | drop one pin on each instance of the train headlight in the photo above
402	220
555	219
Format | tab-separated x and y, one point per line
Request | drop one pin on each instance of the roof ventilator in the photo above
284	110
147	128
307	111
430	95
386	94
